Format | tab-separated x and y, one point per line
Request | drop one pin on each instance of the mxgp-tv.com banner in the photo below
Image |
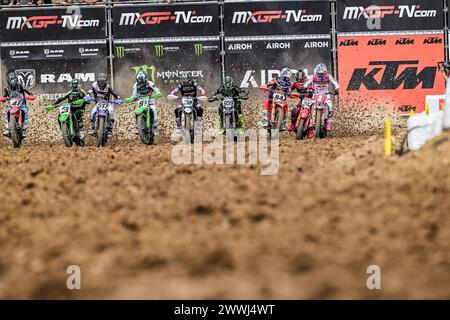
263	37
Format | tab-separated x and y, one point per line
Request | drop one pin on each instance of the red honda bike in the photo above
16	118
279	103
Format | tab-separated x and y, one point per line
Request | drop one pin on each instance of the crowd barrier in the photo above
384	52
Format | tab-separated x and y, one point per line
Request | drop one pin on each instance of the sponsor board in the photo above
50	77
390	70
50	52
389	15
168	62
296	54
52	23
175	20
248	18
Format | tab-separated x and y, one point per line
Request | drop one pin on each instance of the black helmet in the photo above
228	82
300	76
12	79
102	80
186	80
75	85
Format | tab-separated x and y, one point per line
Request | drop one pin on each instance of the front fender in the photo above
141	110
64	117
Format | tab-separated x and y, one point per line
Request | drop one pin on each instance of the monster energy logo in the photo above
120	52
149	70
159	49
198	47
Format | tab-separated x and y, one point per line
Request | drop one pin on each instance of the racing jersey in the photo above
102	94
321	84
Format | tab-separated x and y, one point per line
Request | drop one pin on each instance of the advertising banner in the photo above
93	50
166	62
261	37
52	23
174	20
390	71
52	77
251	72
256	18
389	15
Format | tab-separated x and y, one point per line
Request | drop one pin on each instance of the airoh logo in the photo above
410	77
152	18
43	22
380	12
269	16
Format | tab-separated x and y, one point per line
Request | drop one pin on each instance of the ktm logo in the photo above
404	41
376	42
410	77
349	43
432	40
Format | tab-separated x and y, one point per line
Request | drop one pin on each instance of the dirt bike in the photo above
276	118
145	117
320	114
68	123
16	118
102	120
230	116
303	120
188	116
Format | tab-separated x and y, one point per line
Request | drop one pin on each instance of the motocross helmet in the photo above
12	80
186	80
300	76
75	85
102	80
228	82
321	69
141	77
286	74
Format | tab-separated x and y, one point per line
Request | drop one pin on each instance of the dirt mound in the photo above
141	227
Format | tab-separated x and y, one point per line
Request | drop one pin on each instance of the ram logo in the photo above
27	77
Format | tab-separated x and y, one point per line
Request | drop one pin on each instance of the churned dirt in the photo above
142	227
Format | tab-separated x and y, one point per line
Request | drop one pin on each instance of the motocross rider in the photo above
282	83
229	89
75	93
188	87
142	87
299	85
320	83
13	90
102	90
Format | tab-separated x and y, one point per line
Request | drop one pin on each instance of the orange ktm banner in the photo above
390	71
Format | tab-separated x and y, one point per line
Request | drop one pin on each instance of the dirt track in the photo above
141	227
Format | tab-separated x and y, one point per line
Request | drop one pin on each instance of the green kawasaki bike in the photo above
68	123
145	117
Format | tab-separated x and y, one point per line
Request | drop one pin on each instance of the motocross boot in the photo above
92	131
265	119
221	128
25	130
6	132
110	129
328	128
241	123
178	122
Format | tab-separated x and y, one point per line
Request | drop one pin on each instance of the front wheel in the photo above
101	132
301	129
15	131
279	118
318	129
65	131
145	134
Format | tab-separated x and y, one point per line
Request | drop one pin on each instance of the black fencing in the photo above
250	40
